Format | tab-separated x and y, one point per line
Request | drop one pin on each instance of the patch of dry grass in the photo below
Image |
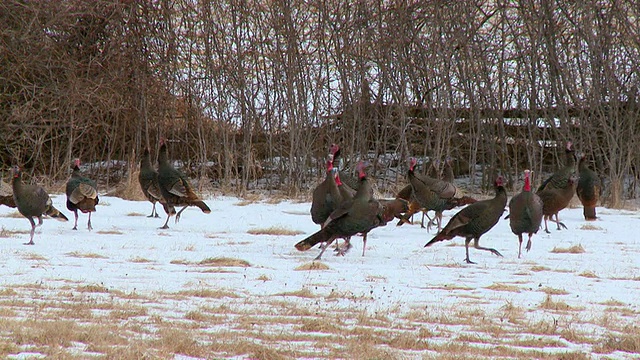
224	262
5	233
208	293
13	215
589	227
92	288
551	291
588	274
626	342
550	304
33	257
314	265
539	268
109	232
575	249
274	230
139	259
503	287
81	255
302	293
133	213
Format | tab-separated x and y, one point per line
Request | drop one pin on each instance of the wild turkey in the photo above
434	194
554	200
589	188
359	215
6	195
148	179
346	192
406	193
345	177
32	201
475	220
559	179
447	172
175	187
391	208
326	196
434	169
82	194
525	213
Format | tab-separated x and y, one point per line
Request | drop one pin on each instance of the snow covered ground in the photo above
219	285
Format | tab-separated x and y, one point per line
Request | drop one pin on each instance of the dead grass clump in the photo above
93	288
8	292
224	261
13	215
551	291
314	265
590	227
619	342
78	254
264	277
576	337
179	262
58	333
178	341
128	313
322	325
129	188
34	257
550	304
4	233
613	302
538	268
408	341
109	232
512	313
274	230
588	274
135	214
303	293
139	259
575	249
503	287
209	293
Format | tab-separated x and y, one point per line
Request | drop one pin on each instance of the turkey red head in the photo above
76	163
360	168
499	181
334	149
569	146
330	163
15	171
527	180
412	163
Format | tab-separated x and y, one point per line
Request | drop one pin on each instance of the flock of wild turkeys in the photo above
343	211
167	186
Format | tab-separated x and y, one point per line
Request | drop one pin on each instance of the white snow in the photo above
397	275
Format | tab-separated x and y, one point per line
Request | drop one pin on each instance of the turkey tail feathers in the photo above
205	209
589	212
55	213
439	237
318	237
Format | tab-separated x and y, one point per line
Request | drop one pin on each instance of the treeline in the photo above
252	92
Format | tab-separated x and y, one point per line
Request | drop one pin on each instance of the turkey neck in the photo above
162	157
364	190
501	194
527	184
17	184
145	163
76	172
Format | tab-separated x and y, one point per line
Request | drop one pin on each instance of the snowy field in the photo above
231	285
